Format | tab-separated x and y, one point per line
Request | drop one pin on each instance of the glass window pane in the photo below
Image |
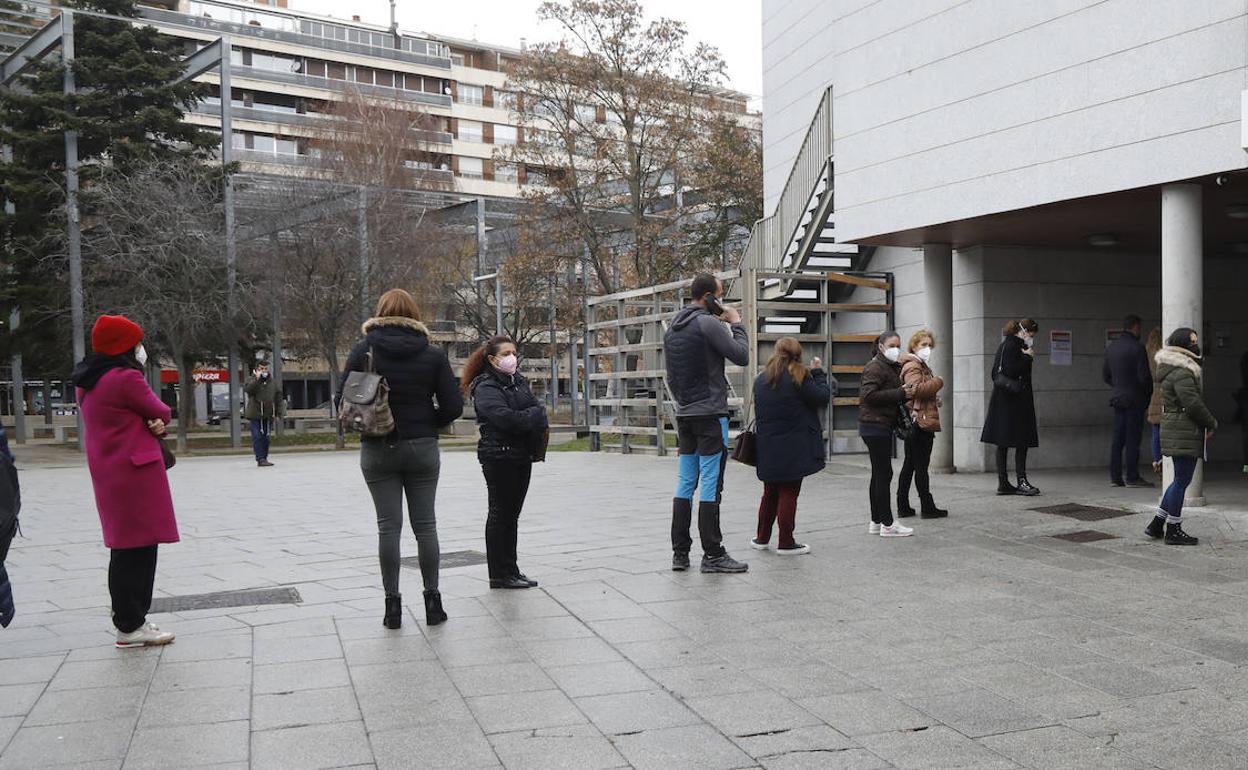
504	134
472	168
470	131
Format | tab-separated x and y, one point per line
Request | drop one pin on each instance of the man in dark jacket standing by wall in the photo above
695	347
1126	370
264	403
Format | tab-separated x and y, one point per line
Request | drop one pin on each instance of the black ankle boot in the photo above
434	614
1176	536
1025	488
1156	528
394	612
904	511
928	509
1004	487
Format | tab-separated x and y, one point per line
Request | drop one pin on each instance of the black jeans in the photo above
507	482
405	468
1020	461
918	457
1128	427
880	448
131	580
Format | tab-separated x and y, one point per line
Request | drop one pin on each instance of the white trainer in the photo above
146	635
757	546
873	528
896	530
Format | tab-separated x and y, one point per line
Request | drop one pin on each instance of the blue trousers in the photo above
1157	443
1172	500
1128	426
261	430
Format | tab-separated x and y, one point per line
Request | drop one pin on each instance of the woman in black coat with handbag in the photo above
513	430
788	438
1011	418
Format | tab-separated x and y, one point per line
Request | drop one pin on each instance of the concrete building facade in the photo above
1070	161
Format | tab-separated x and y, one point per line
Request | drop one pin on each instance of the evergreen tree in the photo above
128	109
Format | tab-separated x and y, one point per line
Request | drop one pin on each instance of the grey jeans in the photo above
393	470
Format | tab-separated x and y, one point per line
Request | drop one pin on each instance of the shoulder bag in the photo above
745	448
905	425
365	405
1000	379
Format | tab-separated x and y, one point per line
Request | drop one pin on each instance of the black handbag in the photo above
166	454
999	378
906	425
745	448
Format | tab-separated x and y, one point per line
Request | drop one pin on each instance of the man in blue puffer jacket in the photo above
701	337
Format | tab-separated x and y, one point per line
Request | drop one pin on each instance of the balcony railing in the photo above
308	120
316	81
296	38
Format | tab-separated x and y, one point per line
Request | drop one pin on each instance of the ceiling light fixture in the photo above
1237	211
1103	239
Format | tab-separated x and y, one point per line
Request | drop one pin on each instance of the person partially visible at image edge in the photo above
122	421
702	336
1186	427
424	398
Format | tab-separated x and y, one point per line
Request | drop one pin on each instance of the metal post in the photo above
554	351
361	235
498	301
231	246
74	223
19	382
278	422
481	244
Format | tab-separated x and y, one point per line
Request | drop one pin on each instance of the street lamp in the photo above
498	298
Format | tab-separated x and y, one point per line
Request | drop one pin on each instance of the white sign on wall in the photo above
1061	348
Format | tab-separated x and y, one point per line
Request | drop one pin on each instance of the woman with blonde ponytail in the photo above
787	400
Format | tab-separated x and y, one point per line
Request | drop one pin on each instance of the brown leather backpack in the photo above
365	405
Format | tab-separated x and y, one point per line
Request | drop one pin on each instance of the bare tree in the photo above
609	114
157	254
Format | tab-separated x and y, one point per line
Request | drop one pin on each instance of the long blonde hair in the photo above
788	355
1154	343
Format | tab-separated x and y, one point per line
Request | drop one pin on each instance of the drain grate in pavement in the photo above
450	559
1083	512
249	598
1084	536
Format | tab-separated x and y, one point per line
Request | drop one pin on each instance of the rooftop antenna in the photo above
394	26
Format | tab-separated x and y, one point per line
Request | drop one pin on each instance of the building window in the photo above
457	59
504	134
505	100
471	131
474	95
471	168
506	172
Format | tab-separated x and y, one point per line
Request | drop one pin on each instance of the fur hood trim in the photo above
399	321
1180	358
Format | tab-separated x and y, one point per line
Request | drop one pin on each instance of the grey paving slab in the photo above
501	679
269	651
633	712
752	713
814	740
67	706
453	745
844	759
697	747
67	744
977	712
191	675
18	699
1060	748
304	675
861	713
935	747
600	678
305	707
311	747
524	711
188	745
564	748
120	668
29	670
204	705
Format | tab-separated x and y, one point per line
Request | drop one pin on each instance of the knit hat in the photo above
113	335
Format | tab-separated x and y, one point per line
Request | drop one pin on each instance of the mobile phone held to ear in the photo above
712	305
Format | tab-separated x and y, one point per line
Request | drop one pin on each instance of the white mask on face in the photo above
141	355
892	354
1028	341
924	353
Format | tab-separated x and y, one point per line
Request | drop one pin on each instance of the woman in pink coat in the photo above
122	420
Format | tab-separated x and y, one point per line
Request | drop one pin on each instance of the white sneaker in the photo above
873	528
757	546
896	530
797	549
146	635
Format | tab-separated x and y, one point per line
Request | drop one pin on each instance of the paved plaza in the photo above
981	642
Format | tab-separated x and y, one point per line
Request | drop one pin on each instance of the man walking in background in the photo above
264	403
702	335
1126	370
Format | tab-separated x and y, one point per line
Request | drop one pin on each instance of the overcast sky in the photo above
733	26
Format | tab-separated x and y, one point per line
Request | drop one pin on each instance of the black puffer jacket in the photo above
511	420
424	395
695	347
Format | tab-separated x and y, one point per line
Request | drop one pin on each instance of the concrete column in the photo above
938	283
1182	283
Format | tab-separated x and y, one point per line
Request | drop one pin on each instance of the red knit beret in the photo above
113	335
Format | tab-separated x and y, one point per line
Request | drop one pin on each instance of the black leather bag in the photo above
745	448
999	378
166	454
906	425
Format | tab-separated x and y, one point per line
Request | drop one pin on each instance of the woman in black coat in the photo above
513	430
787	400
1011	418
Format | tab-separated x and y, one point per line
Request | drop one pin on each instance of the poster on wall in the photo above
1061	348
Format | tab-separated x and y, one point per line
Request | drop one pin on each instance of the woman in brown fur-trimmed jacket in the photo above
925	408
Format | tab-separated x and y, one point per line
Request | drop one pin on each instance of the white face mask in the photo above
892	354
1028	341
924	353
141	355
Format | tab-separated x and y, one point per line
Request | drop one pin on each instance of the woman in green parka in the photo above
1186	424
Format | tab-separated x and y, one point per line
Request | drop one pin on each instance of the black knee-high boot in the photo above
1004	487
